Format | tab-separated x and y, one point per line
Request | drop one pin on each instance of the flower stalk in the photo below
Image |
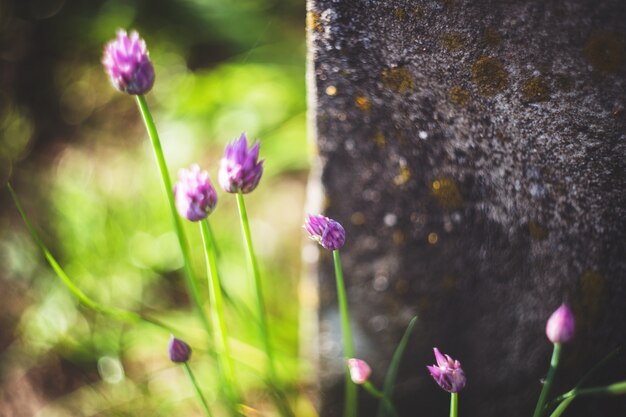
190	278
554	362
350	405
454	404
217	311
203	401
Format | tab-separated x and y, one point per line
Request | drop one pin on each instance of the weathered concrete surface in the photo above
475	152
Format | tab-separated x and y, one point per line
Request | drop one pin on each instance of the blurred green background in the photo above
78	157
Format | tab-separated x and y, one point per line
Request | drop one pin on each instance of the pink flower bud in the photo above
447	372
359	370
561	325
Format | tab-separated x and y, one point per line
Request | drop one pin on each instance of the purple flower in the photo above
359	370
327	232
178	350
195	196
126	61
561	325
240	169
447	372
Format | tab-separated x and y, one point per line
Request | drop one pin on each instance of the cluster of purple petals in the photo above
327	232
447	372
194	193
178	350
127	62
240	168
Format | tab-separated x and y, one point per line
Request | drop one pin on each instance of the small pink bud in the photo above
359	370
561	325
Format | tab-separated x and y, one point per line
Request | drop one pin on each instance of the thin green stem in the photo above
261	310
618	388
278	396
84	299
454	404
192	286
554	363
376	393
350	406
203	400
217	312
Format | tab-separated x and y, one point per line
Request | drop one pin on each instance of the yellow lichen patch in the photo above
605	52
459	96
400	14
489	76
331	90
536	89
404	175
433	238
452	41
398	237
398	79
447	193
491	37
363	103
592	288
449	3
357	218
313	21
379	139
449	282
537	231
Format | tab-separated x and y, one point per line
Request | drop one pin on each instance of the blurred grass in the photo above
84	168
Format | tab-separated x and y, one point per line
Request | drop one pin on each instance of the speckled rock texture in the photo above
475	152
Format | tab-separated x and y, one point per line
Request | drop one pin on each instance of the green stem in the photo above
205	405
261	310
376	393
350	406
278	396
618	388
554	362
217	313
84	299
454	404
192	286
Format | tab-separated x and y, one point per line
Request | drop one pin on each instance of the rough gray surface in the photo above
475	152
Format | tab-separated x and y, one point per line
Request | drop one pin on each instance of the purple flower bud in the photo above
240	169
194	193
327	232
447	372
126	61
359	370
561	325
179	351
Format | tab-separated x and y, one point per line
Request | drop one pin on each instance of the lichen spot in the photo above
400	14
313	21
452	41
357	218
398	79
491	37
449	282
379	139
363	103
535	89
605	52
331	90
489	75
592	289
459	95
398	237
537	231
433	238
447	193
404	175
